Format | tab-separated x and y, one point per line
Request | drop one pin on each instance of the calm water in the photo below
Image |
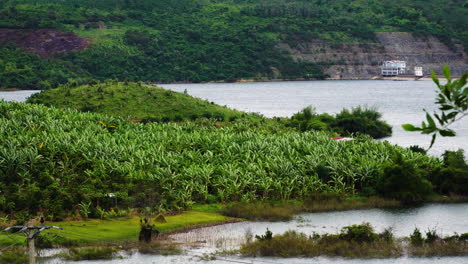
400	102
446	218
19	96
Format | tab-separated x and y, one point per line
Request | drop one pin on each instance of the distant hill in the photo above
133	100
224	40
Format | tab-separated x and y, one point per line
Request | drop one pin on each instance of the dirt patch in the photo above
43	42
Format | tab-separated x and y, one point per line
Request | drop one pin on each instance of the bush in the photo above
431	236
453	176
358	233
348	122
387	235
45	240
402	181
362	120
90	253
267	236
417	149
416	238
13	256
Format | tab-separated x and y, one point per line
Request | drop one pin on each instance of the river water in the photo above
445	218
400	102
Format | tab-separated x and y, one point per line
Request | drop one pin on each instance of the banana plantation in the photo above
52	160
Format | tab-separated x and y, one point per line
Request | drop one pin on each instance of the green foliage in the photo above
141	102
453	176
418	149
84	208
90	253
27	71
22	217
158	248
51	160
213	40
366	244
346	123
47	240
452	99
362	120
294	244
403	181
266	237
431	236
260	211
416	238
14	256
358	233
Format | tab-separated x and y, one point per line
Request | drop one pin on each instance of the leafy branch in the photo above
452	99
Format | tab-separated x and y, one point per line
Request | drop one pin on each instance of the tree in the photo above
452	99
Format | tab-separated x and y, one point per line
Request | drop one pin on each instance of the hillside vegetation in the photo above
134	100
54	161
148	103
204	40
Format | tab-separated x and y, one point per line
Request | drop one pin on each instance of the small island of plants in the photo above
356	241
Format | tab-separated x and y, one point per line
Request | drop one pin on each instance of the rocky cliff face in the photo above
362	61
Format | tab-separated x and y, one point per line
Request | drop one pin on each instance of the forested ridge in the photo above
207	40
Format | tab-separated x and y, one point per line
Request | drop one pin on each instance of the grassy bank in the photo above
285	210
115	231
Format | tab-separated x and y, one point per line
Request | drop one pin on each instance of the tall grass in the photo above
294	244
355	241
285	210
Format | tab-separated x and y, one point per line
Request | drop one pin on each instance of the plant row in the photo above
51	160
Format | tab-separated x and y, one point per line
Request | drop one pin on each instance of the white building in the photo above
418	71
393	68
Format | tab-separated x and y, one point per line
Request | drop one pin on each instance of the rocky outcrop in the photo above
43	42
363	60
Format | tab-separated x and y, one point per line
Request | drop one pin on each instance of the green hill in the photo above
134	100
205	40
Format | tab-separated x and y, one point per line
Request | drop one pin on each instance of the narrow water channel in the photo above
200	243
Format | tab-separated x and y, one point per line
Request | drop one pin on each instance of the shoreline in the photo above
375	78
186	221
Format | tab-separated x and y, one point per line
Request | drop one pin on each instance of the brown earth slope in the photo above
362	61
43	42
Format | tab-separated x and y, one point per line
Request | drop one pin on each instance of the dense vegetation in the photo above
202	40
357	241
134	100
52	160
346	123
147	103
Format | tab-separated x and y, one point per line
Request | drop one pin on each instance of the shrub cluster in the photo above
356	241
58	161
453	176
358	120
